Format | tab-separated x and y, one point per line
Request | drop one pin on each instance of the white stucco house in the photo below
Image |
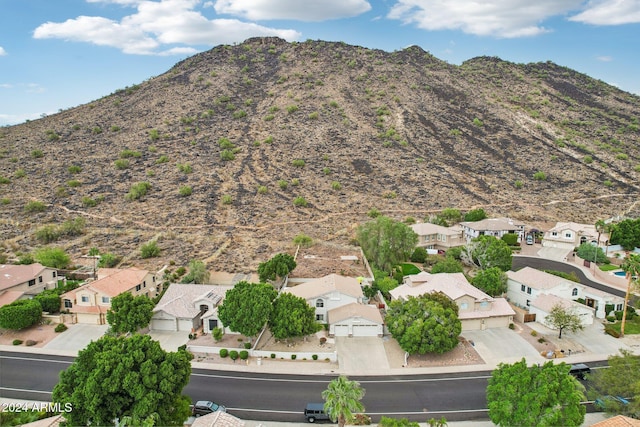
339	302
476	309
496	227
187	307
526	285
544	303
569	235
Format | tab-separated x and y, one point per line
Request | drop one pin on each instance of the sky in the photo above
59	54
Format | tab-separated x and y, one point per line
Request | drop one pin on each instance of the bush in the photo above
273	355
121	164
224	352
303	240
540	176
314	356
233	354
512	326
419	255
534	333
612	332
611	318
61	327
49	301
17	342
299	163
300	202
618	315
149	250
30	343
361	420
541	340
244	355
293	357
138	191
185	191
20	314
247	345
217	334
35	206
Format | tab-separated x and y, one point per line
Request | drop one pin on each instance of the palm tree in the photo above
342	399
631	266
600	227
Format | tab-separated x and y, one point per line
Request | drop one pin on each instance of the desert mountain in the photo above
240	148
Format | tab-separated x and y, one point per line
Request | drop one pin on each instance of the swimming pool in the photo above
620	273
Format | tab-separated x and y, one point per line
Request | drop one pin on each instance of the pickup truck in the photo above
204	407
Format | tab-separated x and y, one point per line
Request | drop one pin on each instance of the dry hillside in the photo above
253	128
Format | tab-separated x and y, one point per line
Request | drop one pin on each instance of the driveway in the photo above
361	355
76	338
498	345
169	340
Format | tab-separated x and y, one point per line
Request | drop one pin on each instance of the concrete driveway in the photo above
361	355
169	340
498	345
76	338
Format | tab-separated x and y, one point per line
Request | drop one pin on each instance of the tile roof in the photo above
218	419
617	421
179	299
426	228
454	285
113	284
537	279
365	311
493	224
7	297
499	307
327	284
13	275
546	302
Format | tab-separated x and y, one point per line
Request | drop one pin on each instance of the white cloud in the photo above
155	27
609	12
301	10
2	51
604	58
498	18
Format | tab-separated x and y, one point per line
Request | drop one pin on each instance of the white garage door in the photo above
365	330
163	325
341	331
185	325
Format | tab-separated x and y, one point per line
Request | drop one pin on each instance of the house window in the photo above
55	273
619	307
213	323
319	303
554	234
529	290
138	287
320	317
144	284
32	282
39	279
523	288
444	238
464	306
574	292
105	300
84	298
528	302
567	235
67	303
484	304
204	308
154	279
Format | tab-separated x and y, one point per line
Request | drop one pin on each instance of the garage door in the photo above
471	324
163	325
365	330
341	331
185	325
92	319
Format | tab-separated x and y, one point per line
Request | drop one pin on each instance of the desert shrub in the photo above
373	213
226	199
295	182
224	352
73	227
138	190
35	206
150	250
61	327
540	176
303	240
17	342
300	202
542	340
30	343
185	191
293	357
273	355
247	345
74	169
534	333
185	167
314	356
121	164
299	163
336	185
88	202
283	184
162	159
233	354
478	122
47	234
244	355
37	154
127	153
109	260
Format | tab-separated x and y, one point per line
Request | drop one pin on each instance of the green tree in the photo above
117	377
424	324
626	233
342	398
563	318
492	281
622	378
292	317
198	273
386	242
108	260
247	307
419	255
278	266
518	395
447	265
631	267
49	300
475	215
486	252
20	314
449	216
128	314
589	252
510	239
52	257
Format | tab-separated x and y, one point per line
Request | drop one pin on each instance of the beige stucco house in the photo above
496	227
90	302
355	320
568	235
434	236
25	281
476	309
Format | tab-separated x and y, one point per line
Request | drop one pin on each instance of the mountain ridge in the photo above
349	129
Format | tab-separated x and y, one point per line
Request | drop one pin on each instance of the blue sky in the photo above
58	54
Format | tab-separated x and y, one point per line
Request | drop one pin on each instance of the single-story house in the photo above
25	281
568	235
496	227
187	307
527	284
90	302
218	419
434	236
544	303
476	309
356	320
328	292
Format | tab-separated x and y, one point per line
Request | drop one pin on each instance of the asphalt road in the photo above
547	264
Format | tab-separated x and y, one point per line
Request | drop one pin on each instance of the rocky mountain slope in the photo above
243	147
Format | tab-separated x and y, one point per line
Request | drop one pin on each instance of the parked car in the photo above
205	407
315	411
579	370
610	402
529	239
